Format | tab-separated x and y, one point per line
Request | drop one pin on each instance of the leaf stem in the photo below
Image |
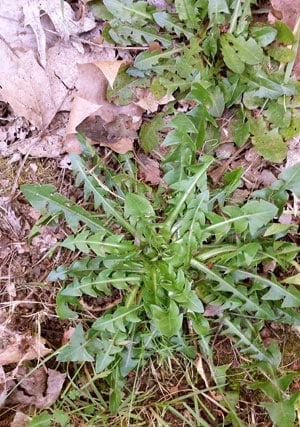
172	217
234	17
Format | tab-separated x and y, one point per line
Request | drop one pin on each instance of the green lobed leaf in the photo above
165	20
75	351
42	197
99	191
187	12
149	133
276	292
106	354
228	285
41	420
277	229
281	54
183	123
215	10
290	179
128	10
293	280
118	320
63	310
147	60
216	109
268	87
248	51
260	213
250	344
79	241
240	130
277	114
231	58
100	11
168	321
124	33
282	413
271	146
254	214
125	87
187	187
263	34
138	207
284	33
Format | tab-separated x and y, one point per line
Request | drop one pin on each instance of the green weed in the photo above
185	260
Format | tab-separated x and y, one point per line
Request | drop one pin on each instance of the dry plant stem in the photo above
8	45
18	173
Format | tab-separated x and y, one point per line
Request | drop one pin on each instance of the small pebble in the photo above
226	150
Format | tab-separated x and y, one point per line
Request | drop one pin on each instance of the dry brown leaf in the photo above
35	24
41	388
110	69
122	146
107	132
20	420
212	310
3	386
147	101
286	11
46	239
23	347
12	29
81	109
27	28
293	154
67	335
201	371
102	122
48	17
55	383
149	170
27	88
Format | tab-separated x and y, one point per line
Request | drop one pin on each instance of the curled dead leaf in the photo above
40	388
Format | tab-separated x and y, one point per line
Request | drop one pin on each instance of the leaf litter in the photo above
43	72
